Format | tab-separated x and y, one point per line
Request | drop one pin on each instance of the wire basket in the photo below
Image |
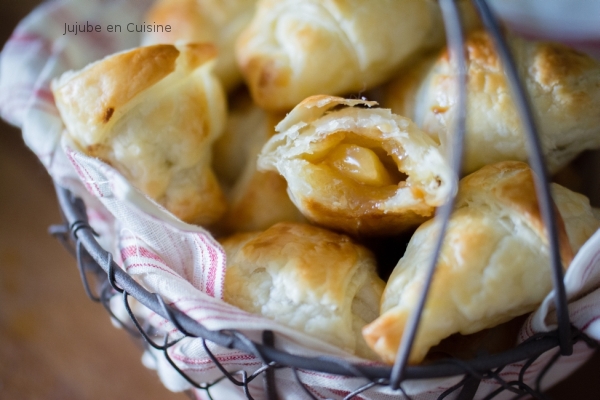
93	260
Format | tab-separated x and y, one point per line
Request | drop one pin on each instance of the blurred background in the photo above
57	344
54	342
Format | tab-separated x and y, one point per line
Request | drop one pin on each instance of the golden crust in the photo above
249	191
244	131
308	247
402	93
292	50
494	264
152	113
185	18
211	21
257	201
307	278
119	79
319	127
563	85
511	184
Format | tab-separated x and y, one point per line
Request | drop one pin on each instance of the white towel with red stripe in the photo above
182	262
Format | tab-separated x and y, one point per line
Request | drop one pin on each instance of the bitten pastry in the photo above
563	84
198	21
292	49
494	264
257	199
153	114
361	170
307	278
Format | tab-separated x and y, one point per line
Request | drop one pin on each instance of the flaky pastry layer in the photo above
153	114
257	199
308	278
563	86
203	21
357	169
494	264
294	49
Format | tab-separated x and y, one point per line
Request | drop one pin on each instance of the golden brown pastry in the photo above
153	114
563	84
294	49
203	21
494	264
257	199
307	278
244	130
361	170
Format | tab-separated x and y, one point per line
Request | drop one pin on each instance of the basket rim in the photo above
76	223
75	219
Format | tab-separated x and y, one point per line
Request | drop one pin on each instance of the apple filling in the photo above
360	164
364	164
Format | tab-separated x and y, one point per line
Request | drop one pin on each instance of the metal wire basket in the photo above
93	260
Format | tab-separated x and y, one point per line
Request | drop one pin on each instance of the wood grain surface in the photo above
54	342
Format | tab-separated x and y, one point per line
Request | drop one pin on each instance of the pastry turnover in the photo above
257	199
153	114
245	131
293	49
563	84
203	21
361	170
494	264
307	278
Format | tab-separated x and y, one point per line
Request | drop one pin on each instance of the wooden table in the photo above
54	342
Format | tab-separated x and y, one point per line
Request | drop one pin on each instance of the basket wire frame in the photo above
455	41
536	160
96	263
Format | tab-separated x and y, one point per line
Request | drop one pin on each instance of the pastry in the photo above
307	278
494	264
153	114
293	49
244	132
257	199
563	85
361	170
203	21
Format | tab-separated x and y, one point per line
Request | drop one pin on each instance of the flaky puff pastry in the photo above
257	199
494	264
244	129
563	85
153	114
307	278
203	21
294	49
361	170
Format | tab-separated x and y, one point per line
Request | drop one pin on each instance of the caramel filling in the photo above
360	164
364	161
360	171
